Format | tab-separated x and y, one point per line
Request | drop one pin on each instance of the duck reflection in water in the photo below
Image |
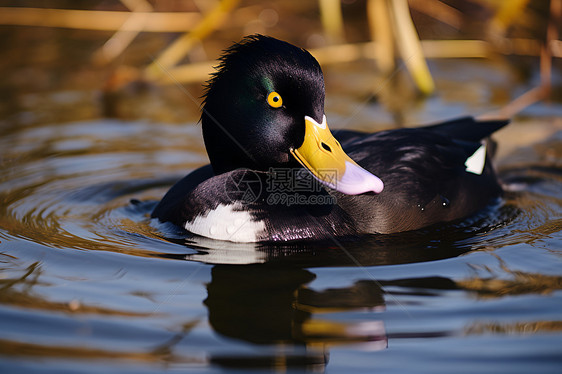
263	294
273	305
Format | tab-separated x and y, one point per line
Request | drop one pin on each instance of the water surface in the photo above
88	283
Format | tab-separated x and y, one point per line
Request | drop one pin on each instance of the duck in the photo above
278	174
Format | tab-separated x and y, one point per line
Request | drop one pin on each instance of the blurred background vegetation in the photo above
67	60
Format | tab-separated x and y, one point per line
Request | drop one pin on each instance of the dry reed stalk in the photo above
98	20
179	48
332	20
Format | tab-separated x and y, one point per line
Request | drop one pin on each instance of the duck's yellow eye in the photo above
274	99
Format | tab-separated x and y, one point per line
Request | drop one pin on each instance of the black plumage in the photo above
423	169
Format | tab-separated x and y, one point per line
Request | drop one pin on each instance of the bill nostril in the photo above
326	147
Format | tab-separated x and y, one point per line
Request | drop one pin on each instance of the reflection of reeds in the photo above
17	292
12	348
523	283
392	33
515	328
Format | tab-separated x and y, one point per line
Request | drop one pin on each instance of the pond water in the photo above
89	284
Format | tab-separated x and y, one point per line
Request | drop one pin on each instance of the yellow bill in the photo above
322	155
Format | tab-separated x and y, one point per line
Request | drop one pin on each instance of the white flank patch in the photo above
475	163
227	222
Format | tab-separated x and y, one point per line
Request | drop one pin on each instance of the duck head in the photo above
264	108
